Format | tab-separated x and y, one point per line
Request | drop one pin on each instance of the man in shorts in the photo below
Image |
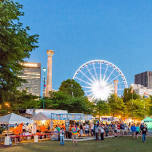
74	134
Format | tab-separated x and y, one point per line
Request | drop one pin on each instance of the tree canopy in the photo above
129	94
72	88
16	44
60	100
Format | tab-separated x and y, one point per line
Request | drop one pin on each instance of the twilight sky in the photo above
82	30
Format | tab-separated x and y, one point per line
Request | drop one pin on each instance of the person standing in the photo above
101	132
144	132
107	130
74	134
97	132
58	132
62	136
133	130
87	129
115	130
67	131
92	129
137	130
81	130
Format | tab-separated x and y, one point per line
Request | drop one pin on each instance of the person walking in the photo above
144	132
62	136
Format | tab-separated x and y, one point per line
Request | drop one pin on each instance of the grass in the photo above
120	144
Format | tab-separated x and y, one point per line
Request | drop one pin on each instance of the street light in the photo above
7	104
72	89
44	85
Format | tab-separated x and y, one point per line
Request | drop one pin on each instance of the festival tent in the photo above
148	119
14	119
40	116
41	121
148	122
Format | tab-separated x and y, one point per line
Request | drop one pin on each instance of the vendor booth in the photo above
42	122
148	122
14	125
14	119
64	119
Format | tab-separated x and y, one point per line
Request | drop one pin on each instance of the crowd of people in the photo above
75	130
99	130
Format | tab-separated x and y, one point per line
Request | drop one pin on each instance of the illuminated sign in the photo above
31	65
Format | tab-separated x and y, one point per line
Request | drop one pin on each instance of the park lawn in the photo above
119	144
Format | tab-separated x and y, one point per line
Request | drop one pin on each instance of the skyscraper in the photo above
144	79
32	74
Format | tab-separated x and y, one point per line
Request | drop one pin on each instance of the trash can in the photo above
36	139
7	141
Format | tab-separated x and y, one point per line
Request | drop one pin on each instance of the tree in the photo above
71	88
136	108
15	45
81	105
129	94
116	104
60	100
21	101
102	108
149	105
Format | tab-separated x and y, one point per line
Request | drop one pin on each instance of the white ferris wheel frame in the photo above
103	62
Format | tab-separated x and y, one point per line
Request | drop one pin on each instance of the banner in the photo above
71	116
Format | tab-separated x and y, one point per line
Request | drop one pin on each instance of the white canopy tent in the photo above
40	116
14	119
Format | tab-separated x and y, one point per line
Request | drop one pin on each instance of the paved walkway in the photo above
87	138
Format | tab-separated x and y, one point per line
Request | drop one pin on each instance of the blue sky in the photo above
119	31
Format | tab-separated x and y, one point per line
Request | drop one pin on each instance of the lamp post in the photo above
44	85
72	89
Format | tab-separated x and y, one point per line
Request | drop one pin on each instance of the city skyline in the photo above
118	32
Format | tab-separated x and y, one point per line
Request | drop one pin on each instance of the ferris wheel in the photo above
100	78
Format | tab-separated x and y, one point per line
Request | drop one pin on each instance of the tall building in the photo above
141	90
32	75
144	79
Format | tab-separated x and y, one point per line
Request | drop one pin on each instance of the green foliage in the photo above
136	108
149	105
20	101
71	88
25	101
116	104
129	94
102	108
60	100
15	45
